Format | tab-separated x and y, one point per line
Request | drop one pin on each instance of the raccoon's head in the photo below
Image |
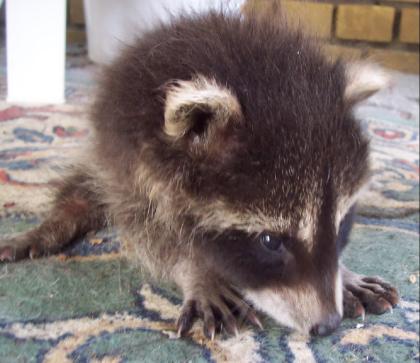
269	170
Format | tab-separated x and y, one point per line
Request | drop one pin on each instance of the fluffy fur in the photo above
209	134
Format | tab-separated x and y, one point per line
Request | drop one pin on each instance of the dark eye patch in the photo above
248	260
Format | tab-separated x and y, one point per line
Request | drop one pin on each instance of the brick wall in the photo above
385	30
75	22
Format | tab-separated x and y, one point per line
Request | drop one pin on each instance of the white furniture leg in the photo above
35	40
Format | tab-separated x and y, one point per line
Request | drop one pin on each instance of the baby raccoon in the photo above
225	151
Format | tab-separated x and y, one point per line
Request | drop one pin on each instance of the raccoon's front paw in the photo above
220	308
366	294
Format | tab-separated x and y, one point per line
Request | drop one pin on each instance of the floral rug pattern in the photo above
89	305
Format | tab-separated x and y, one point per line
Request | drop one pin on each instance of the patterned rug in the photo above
89	305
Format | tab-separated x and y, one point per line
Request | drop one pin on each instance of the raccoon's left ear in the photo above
363	80
199	109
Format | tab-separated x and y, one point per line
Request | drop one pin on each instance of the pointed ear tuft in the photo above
200	106
363	80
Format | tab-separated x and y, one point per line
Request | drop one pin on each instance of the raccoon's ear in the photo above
363	80
199	108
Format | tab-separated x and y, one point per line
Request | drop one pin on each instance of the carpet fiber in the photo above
89	305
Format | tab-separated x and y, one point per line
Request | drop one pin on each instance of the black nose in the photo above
327	326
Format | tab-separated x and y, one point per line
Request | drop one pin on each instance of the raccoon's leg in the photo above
345	228
209	298
76	210
361	293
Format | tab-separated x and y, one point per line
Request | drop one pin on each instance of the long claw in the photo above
253	319
186	319
363	316
209	332
384	305
209	325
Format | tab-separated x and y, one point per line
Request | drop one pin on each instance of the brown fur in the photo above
209	133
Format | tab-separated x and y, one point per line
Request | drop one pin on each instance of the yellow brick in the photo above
257	6
77	15
334	51
409	28
365	22
405	1
399	60
76	36
316	18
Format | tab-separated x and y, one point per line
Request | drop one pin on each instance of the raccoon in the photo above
225	151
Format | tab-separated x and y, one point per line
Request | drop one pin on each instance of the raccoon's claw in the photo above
18	249
370	294
352	307
12	252
7	254
186	318
215	316
219	312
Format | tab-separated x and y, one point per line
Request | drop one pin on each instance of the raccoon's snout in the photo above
326	327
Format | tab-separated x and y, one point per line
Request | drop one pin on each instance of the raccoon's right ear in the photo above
363	79
199	109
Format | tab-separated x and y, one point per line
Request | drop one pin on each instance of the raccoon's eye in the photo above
270	242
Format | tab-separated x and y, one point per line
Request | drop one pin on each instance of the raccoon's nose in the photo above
327	326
